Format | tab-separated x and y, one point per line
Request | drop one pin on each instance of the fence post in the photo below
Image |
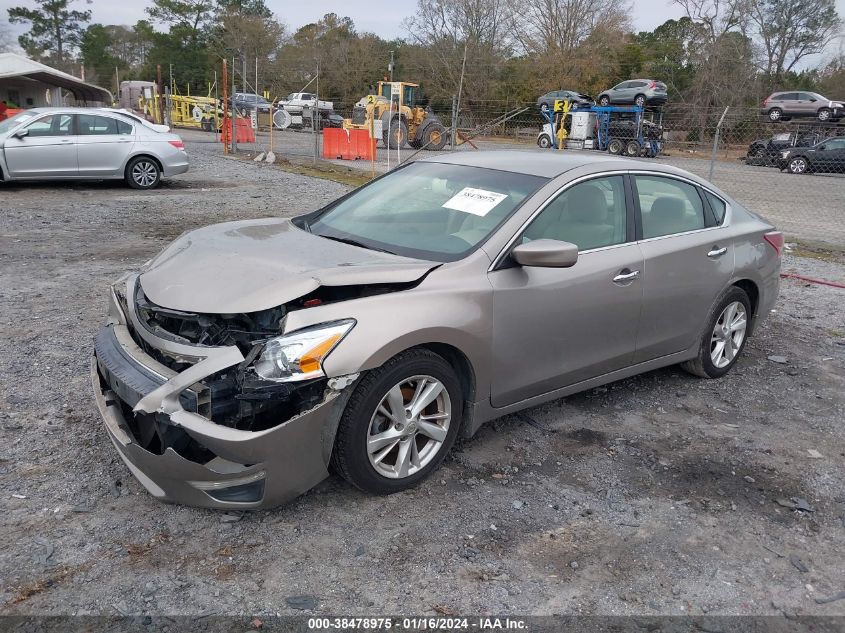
716	143
454	120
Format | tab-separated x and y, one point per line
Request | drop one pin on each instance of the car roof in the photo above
544	163
73	110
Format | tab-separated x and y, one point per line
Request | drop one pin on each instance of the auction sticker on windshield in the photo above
475	201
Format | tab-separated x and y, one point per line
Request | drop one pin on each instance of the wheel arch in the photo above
753	291
153	157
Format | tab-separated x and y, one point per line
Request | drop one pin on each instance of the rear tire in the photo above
615	146
720	332
633	148
604	100
775	114
356	458
639	101
143	172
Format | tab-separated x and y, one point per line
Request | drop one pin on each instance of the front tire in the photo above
143	172
724	337
544	141
397	135
434	137
399	423
824	115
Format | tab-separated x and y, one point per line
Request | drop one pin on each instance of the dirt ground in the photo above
661	494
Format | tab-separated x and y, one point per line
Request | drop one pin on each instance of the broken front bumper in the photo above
240	469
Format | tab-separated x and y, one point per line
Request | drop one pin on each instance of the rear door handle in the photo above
623	276
717	252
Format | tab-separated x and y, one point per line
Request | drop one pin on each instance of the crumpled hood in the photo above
254	265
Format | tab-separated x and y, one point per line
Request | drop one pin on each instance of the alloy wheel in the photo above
409	427
144	173
798	166
728	334
824	114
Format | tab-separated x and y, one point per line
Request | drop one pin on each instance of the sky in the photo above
383	17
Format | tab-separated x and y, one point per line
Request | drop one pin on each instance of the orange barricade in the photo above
348	144
243	131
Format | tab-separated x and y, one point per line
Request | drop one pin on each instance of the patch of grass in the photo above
327	171
814	251
320	169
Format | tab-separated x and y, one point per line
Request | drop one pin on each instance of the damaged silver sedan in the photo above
248	358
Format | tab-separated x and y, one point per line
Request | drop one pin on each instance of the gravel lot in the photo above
661	494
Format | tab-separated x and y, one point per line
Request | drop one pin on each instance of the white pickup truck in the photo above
297	101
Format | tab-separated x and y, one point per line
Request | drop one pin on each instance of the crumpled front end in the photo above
194	430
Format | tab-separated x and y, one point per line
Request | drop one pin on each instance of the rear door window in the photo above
668	206
92	125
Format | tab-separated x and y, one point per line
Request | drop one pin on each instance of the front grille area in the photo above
235	397
208	330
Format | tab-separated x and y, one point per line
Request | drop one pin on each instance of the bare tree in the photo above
790	30
549	26
446	31
723	56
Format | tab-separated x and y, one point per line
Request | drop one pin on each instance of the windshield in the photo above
433	211
13	122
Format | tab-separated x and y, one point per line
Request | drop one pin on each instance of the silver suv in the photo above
640	92
782	106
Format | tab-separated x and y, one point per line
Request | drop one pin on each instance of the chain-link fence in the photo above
791	170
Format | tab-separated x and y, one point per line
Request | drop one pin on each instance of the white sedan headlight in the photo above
299	355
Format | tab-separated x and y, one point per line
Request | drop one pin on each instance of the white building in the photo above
27	84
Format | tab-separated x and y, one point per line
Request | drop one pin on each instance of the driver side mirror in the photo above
546	254
21	133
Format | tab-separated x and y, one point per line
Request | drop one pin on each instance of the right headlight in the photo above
299	355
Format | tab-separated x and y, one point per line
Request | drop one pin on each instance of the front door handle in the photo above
717	252
626	276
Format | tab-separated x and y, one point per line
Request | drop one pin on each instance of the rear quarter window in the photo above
718	206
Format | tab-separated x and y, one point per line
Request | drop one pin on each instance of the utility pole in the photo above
390	66
234	112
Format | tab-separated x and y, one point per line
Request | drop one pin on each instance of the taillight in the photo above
177	144
775	238
652	85
765	102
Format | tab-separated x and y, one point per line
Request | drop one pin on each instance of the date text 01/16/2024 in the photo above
417	624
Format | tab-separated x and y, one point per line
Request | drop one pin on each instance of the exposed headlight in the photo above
299	355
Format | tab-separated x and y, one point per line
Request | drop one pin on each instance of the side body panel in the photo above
41	156
557	326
